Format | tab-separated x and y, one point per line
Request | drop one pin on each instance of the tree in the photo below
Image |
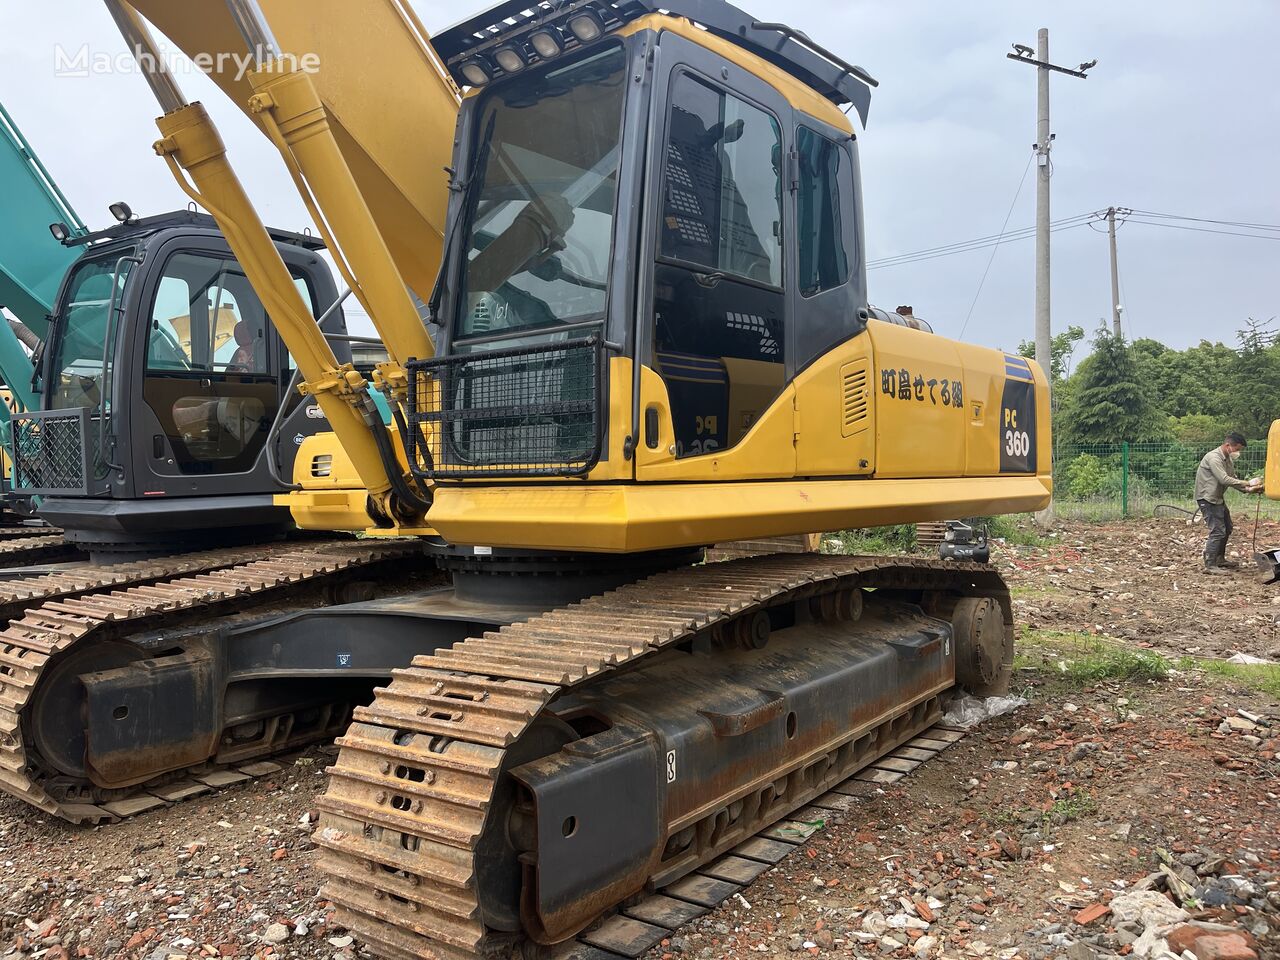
1199	429
1251	389
1185	382
1108	400
1061	348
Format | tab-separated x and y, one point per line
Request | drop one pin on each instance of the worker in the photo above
1216	473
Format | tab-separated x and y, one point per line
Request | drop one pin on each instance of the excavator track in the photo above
81	606
18	531
420	771
75	580
19	549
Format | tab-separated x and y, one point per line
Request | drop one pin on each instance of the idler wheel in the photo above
984	651
57	721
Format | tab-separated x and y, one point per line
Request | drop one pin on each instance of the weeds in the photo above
1073	806
900	538
1083	659
1012	529
1263	677
1117	663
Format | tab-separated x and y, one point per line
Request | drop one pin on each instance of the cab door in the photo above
713	317
208	373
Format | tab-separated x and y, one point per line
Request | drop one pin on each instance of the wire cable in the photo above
1223	223
979	242
995	248
1183	226
1023	234
1126	317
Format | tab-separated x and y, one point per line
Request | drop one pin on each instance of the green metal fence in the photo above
1108	481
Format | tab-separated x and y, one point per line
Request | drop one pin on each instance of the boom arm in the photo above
361	112
32	263
364	115
289	108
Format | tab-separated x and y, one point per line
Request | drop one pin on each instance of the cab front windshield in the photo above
81	377
540	218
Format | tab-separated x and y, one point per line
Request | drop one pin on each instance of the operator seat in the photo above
245	359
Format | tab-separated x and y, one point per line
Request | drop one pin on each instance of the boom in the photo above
359	151
32	262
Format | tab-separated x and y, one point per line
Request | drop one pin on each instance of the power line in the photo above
1025	233
1183	226
991	259
1225	223
979	242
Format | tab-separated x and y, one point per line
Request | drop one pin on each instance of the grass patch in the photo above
900	538
1263	677
1117	663
1076	804
1033	591
1083	659
1013	529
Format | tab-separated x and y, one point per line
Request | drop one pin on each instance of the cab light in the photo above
586	26
546	43
509	59
476	73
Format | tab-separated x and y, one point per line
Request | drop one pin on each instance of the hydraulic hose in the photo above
382	438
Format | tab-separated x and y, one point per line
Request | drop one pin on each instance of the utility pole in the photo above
1044	141
1115	272
1116	308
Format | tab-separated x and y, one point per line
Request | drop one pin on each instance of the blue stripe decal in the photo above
1017	368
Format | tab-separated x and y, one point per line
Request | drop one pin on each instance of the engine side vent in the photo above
322	465
855	397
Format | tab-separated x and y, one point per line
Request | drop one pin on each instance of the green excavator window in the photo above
83	347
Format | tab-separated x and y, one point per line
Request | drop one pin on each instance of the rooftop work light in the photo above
587	26
510	59
476	72
546	42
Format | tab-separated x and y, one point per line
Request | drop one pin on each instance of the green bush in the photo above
1087	476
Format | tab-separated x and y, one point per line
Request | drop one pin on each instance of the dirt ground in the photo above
1027	839
1141	581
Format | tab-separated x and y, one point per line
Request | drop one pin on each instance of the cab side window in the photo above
821	202
209	377
719	297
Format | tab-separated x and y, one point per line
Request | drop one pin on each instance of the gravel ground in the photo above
1141	581
1028	839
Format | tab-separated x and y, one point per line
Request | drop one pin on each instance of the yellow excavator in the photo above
638	239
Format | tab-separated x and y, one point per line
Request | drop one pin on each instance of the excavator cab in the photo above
654	281
166	415
722	252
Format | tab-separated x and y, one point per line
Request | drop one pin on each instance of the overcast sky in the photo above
1180	116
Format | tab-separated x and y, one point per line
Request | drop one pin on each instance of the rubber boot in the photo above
1213	567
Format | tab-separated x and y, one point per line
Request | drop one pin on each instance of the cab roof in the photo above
140	227
512	22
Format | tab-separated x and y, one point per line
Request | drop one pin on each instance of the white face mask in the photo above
1234	455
